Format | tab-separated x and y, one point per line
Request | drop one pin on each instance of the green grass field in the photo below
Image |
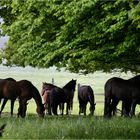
66	127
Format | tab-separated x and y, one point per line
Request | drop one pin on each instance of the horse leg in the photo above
3	105
114	104
19	109
46	107
71	104
54	109
22	108
84	109
68	108
122	109
12	106
62	108
107	109
49	108
80	108
134	103
127	108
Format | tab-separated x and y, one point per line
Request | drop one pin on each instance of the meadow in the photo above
66	127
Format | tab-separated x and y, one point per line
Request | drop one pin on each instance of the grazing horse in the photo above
128	91
7	92
24	90
85	95
28	91
54	96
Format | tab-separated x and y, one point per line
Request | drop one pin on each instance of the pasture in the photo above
66	127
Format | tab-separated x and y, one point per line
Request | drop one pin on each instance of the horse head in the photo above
73	83
40	110
46	87
92	109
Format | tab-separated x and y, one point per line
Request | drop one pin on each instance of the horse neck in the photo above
69	86
51	86
37	97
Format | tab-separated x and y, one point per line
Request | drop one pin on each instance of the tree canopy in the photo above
80	35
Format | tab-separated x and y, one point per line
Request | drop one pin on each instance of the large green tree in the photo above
81	35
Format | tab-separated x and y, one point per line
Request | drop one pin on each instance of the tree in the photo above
83	36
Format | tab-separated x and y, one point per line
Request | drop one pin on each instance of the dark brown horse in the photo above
128	91
117	89
7	92
69	89
24	90
53	96
46	87
85	95
29	91
58	96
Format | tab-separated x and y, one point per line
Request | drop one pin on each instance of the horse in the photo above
54	96
7	92
29	91
85	95
46	88
24	90
69	90
127	91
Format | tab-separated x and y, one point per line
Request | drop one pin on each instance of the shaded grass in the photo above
70	127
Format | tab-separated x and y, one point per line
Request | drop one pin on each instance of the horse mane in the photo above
70	85
10	79
49	84
36	95
135	78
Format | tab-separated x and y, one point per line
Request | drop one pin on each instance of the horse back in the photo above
57	95
26	88
118	87
10	89
85	93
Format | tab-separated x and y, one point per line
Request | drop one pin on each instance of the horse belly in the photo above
122	93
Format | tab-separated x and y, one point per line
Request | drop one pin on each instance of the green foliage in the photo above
83	36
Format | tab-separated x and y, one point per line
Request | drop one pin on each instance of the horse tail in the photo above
91	96
107	96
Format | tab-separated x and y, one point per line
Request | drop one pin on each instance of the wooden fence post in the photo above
53	81
78	86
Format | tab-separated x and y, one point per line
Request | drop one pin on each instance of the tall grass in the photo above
71	127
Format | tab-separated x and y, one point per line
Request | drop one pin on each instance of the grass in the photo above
66	127
71	127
